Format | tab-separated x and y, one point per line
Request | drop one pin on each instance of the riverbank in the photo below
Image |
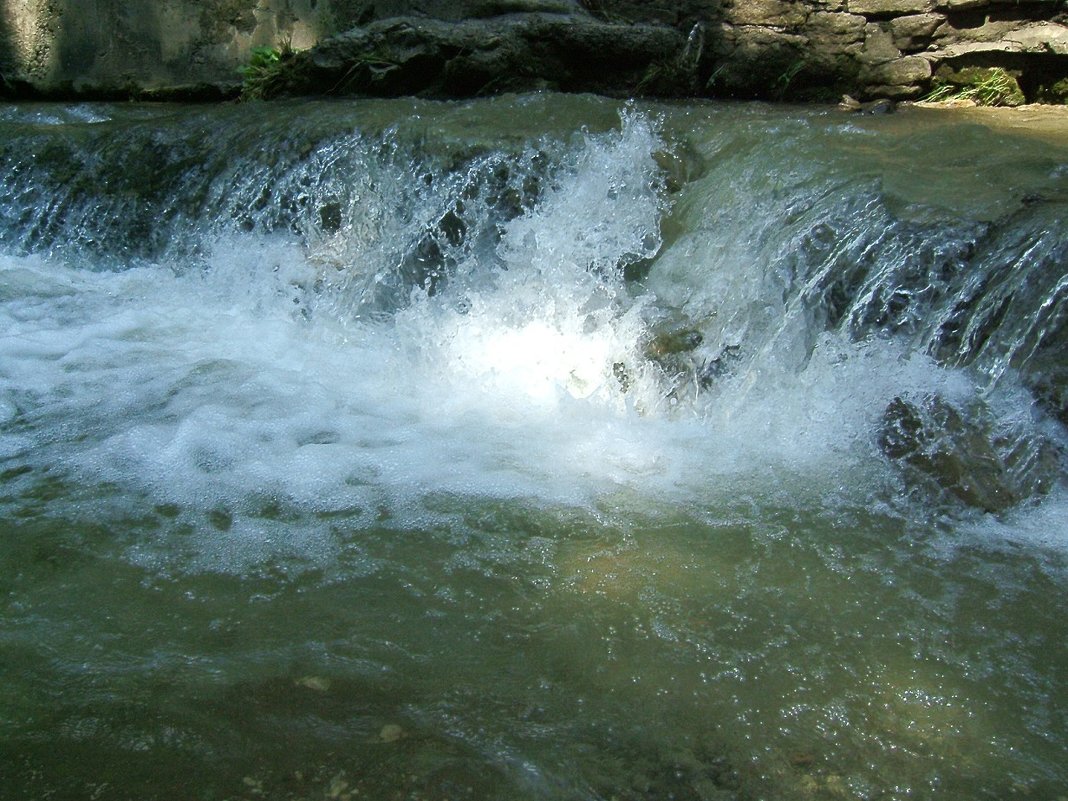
1034	119
815	50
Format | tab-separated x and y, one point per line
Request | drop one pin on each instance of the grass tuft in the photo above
984	87
262	76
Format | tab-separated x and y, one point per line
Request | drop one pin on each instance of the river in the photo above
537	447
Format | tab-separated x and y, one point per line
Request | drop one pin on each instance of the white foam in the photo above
204	392
1034	524
240	385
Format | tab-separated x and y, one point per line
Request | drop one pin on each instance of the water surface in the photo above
531	448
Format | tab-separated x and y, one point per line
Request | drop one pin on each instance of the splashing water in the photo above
530	448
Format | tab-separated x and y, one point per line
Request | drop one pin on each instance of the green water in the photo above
525	654
276	538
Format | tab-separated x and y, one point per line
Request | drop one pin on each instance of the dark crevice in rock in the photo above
972	19
1034	72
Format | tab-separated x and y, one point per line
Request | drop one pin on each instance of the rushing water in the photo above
532	448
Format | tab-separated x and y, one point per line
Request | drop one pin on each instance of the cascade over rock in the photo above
963	457
807	50
540	446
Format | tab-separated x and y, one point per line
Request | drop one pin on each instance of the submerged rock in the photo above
635	771
966	457
689	361
673	347
317	683
882	106
673	341
391	732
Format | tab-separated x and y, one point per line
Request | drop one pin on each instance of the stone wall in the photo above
117	47
883	48
776	49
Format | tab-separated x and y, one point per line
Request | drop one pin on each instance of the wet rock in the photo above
905	71
437	58
882	106
672	346
317	683
966	458
873	8
915	31
719	365
200	92
933	438
689	364
679	166
1048	379
391	733
673	341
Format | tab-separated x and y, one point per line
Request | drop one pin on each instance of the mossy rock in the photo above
1056	93
986	86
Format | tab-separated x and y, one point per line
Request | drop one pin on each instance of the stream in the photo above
532	448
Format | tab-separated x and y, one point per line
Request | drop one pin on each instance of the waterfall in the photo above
650	389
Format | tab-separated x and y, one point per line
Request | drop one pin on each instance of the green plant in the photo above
985	87
262	75
782	83
262	58
653	78
713	79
